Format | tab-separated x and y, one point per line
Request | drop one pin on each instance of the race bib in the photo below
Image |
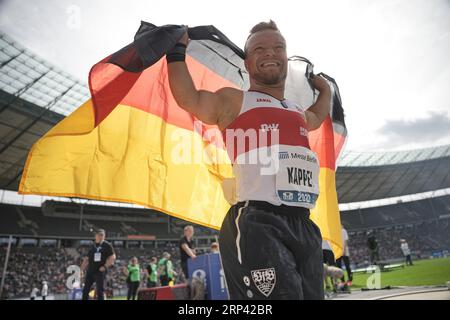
297	178
97	257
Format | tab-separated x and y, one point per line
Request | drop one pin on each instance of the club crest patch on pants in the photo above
264	280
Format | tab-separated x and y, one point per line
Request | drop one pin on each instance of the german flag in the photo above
132	143
328	142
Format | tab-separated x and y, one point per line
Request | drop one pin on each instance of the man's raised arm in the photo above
205	105
317	113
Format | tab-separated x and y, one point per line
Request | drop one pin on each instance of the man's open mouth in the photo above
270	64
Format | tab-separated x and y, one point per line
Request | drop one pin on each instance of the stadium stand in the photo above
28	267
363	176
32	221
397	214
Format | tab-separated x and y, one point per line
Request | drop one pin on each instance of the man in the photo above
99	258
328	255
406	252
345	258
152	273
270	247
44	290
165	268
372	244
187	249
214	248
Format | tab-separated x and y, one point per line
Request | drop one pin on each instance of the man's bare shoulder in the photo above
231	94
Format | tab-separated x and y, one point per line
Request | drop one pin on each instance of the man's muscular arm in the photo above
205	105
317	113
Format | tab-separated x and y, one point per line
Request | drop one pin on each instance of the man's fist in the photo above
320	83
184	39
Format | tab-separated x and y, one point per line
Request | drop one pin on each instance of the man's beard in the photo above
270	79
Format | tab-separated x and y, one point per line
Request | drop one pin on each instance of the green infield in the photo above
422	273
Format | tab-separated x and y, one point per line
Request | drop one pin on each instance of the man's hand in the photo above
320	83
102	269
185	38
84	264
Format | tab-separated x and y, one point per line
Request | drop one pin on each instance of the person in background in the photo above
34	293
328	260
406	252
187	249
99	258
133	272
345	259
214	248
44	290
152	273
372	244
165	270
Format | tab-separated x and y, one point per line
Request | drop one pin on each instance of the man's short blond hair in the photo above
262	26
271	25
188	227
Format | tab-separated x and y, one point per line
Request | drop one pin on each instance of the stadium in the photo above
392	195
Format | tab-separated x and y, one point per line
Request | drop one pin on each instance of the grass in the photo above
422	273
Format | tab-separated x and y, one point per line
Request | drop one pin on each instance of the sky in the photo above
389	58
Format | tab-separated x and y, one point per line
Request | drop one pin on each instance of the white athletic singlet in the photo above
268	146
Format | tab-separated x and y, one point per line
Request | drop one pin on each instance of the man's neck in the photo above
275	91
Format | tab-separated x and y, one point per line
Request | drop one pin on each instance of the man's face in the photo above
99	237
189	233
266	59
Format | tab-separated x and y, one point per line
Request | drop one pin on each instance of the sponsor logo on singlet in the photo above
269	127
288	196
283	155
303	132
